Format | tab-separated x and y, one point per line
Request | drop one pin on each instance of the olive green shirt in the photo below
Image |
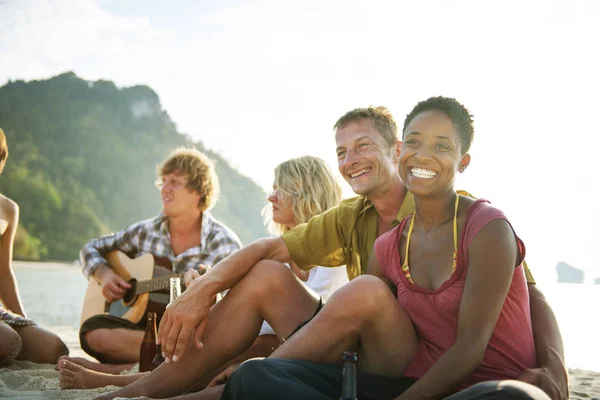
344	235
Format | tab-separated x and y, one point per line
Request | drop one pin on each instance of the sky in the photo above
264	81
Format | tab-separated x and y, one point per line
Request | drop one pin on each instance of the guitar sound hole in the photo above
130	294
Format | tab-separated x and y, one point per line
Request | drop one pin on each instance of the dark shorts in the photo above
276	379
321	304
105	322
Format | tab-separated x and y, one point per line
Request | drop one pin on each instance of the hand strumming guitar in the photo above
113	286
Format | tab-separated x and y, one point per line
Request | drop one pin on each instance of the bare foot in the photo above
95	366
75	376
77	360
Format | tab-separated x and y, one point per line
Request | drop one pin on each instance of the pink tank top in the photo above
434	313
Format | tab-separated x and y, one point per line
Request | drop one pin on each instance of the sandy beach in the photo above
52	294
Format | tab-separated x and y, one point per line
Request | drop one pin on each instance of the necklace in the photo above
406	267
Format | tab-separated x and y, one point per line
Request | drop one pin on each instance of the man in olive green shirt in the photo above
262	288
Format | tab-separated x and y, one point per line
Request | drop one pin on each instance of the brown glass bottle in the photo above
148	347
174	292
350	358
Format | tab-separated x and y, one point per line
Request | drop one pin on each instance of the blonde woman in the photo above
20	337
304	187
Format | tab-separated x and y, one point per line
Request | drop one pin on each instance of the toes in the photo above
58	362
70	366
65	379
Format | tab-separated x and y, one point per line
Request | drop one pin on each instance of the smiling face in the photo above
431	154
177	198
365	160
283	212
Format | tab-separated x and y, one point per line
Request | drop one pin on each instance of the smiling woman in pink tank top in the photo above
455	264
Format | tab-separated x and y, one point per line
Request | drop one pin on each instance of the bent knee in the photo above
10	345
367	292
99	339
267	276
56	349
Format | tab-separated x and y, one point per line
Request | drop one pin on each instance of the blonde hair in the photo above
199	171
3	150
307	184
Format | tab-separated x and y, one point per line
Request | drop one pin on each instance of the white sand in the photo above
27	380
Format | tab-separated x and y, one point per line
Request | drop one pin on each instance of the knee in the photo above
366	293
266	277
56	349
10	345
99	339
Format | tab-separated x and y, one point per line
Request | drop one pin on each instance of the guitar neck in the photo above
155	284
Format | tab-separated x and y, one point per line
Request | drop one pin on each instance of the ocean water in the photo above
53	293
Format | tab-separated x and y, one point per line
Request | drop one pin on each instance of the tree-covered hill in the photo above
82	162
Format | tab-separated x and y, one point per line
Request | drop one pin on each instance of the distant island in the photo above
83	157
569	274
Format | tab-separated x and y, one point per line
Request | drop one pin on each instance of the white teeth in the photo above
359	173
423	173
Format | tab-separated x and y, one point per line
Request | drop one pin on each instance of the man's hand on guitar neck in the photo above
113	286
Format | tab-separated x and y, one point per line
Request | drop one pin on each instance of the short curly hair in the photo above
3	150
199	171
382	118
461	117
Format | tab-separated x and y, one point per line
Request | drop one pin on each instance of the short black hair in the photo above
461	117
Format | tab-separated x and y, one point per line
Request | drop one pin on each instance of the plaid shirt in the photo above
153	236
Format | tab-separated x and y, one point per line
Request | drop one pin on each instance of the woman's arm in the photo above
492	257
551	375
9	292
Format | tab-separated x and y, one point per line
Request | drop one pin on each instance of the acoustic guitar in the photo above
142	297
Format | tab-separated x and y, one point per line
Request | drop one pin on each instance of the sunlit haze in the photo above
261	82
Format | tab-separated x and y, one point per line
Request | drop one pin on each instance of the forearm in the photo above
233	268
92	260
548	340
448	372
9	293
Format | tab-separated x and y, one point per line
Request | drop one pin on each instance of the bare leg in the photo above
10	343
114	369
75	376
120	345
270	291
363	316
40	345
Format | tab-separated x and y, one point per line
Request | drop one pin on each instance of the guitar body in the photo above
132	307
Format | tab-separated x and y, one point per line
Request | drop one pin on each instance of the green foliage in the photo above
83	159
27	247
